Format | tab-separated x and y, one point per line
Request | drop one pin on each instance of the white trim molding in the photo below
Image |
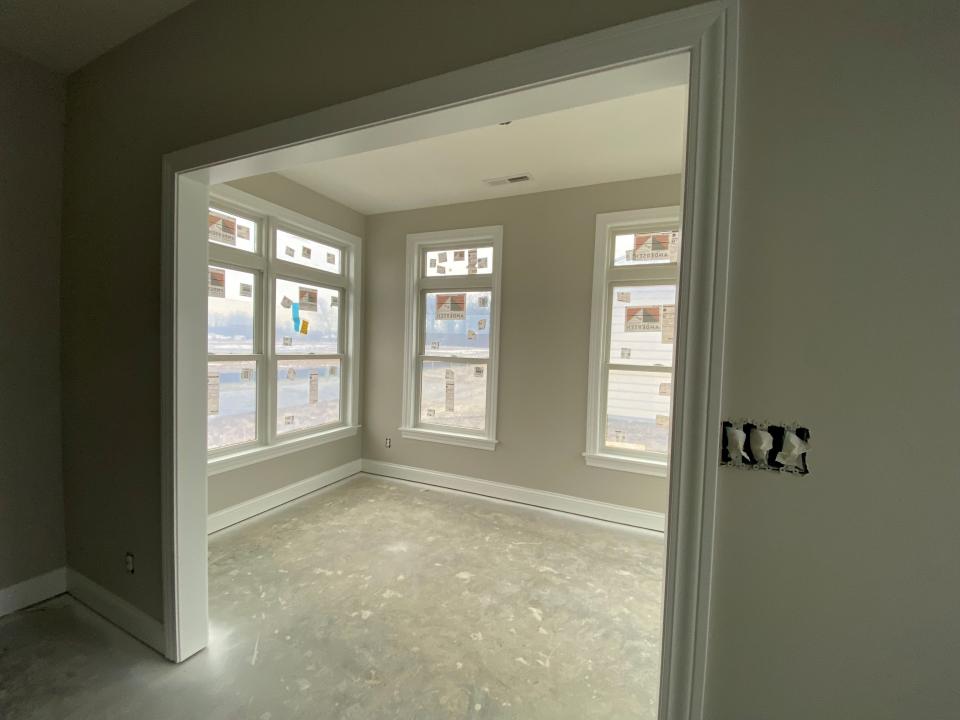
117	610
448	438
33	590
651	468
635	517
252	456
268	501
698	44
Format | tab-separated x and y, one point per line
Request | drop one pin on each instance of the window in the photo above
452	336
632	336
281	331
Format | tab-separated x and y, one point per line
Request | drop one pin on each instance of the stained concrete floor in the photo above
375	599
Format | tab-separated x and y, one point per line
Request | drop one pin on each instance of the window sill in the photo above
449	438
249	456
641	466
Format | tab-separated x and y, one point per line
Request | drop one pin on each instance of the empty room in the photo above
465	360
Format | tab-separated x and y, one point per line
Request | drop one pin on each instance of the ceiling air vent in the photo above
509	179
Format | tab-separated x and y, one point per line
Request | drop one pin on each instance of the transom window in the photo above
452	331
282	294
633	330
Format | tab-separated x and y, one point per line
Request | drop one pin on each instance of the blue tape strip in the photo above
296	317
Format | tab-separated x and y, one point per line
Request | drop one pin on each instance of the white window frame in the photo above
605	277
417	283
267	268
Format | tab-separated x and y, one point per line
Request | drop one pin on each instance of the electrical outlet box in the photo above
387	442
130	564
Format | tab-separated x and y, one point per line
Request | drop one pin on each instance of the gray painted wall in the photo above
31	171
548	241
835	593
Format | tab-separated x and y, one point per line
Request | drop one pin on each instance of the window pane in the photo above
650	248
457	324
233	230
308	394
230	297
643	319
231	403
453	394
311	253
465	261
638	411
308	319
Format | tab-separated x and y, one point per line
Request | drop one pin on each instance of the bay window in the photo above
283	293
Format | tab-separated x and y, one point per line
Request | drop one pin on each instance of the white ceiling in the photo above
65	35
630	137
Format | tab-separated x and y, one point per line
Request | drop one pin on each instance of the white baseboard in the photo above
268	501
33	590
117	610
622	514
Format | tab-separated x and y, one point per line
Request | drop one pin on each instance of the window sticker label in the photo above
308	299
481	323
669	323
650	247
306	252
472	257
291	373
625	353
451	307
221	229
246	290
246	373
478	371
459	256
642	318
243	232
441	270
295	311
314	387
289	251
289	419
441	257
482	263
623	296
304	327
471	335
433	262
334	301
665	389
483	301
216	282
286	302
331	259
449	392
431	412
435	345
663	421
333	371
213	393
287	341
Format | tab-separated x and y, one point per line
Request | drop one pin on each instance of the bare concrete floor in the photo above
375	600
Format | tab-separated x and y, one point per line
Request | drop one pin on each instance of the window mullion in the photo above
269	415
